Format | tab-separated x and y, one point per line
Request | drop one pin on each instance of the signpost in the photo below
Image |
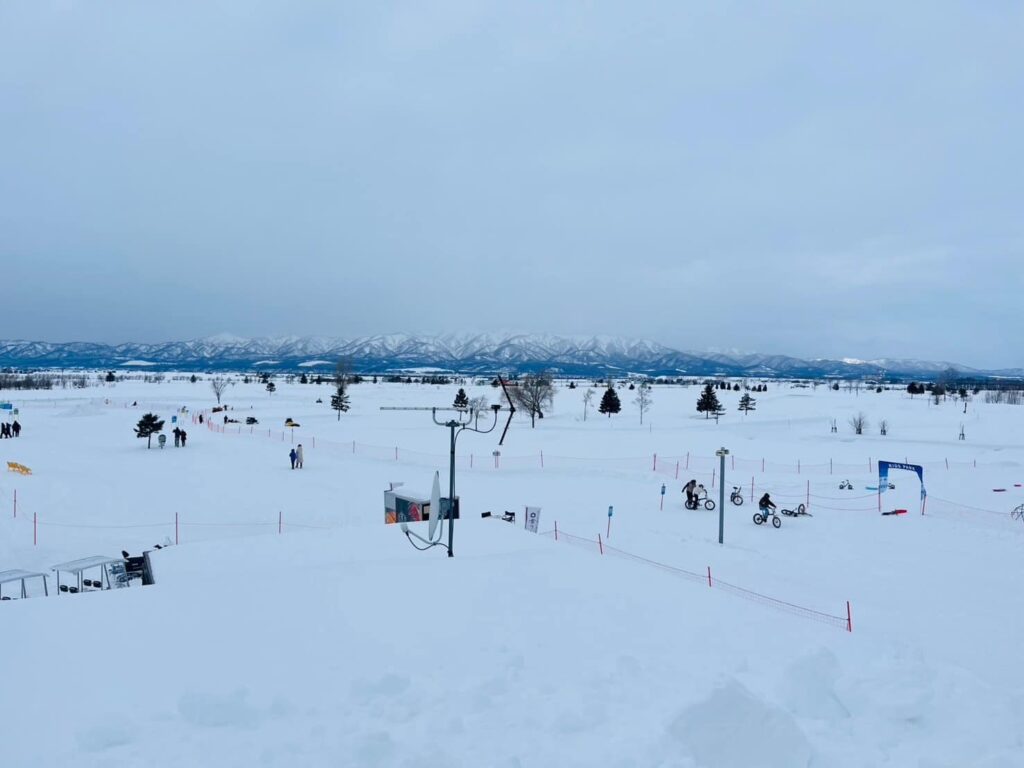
532	519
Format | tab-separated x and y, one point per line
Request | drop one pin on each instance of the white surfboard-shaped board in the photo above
435	506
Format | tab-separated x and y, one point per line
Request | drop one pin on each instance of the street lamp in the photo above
721	453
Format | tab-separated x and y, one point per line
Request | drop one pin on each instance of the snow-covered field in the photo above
336	643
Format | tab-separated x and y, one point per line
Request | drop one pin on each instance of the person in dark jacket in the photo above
177	437
200	418
766	503
690	489
184	434
16	428
293	456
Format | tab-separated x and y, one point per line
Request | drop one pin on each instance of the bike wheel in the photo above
776	522
737	500
709	504
801	509
758	518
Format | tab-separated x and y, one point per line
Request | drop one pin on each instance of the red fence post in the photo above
35	535
808	505
709	575
947	463
654	463
314	442
751	488
280	520
471	461
556	530
175	527
713	477
396	453
687	459
677	470
798	466
849	618
15	502
542	459
830	466
762	465
600	546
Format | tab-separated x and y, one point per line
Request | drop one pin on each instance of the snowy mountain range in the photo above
470	354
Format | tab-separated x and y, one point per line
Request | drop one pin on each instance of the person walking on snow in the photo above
293	456
298	459
177	437
200	418
16	428
184	434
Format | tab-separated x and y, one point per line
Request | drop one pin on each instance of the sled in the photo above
895	512
21	469
892	486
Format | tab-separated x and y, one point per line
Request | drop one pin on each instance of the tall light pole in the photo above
721	453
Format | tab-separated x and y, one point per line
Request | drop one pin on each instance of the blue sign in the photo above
174	419
6	406
609	511
662	489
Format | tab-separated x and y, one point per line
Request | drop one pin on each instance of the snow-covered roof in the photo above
77	566
18	575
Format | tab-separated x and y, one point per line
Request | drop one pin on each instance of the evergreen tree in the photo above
271	387
193	378
572	385
111	377
303	379
708	402
148	426
609	402
747	403
339	400
461	399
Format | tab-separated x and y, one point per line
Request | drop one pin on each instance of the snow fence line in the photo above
750	490
177	524
668	466
602	548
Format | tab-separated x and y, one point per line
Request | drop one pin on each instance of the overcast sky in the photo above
815	179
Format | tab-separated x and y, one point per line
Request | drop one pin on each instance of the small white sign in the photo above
532	518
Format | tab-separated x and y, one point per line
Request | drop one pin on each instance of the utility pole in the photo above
463	422
721	453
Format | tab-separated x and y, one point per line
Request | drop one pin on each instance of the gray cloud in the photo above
808	179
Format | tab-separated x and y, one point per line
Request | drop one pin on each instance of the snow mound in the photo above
808	688
732	728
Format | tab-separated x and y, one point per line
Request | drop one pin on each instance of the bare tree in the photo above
859	423
343	372
478	405
588	396
533	393
643	399
219	384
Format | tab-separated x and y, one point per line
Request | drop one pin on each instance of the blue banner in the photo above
883	474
